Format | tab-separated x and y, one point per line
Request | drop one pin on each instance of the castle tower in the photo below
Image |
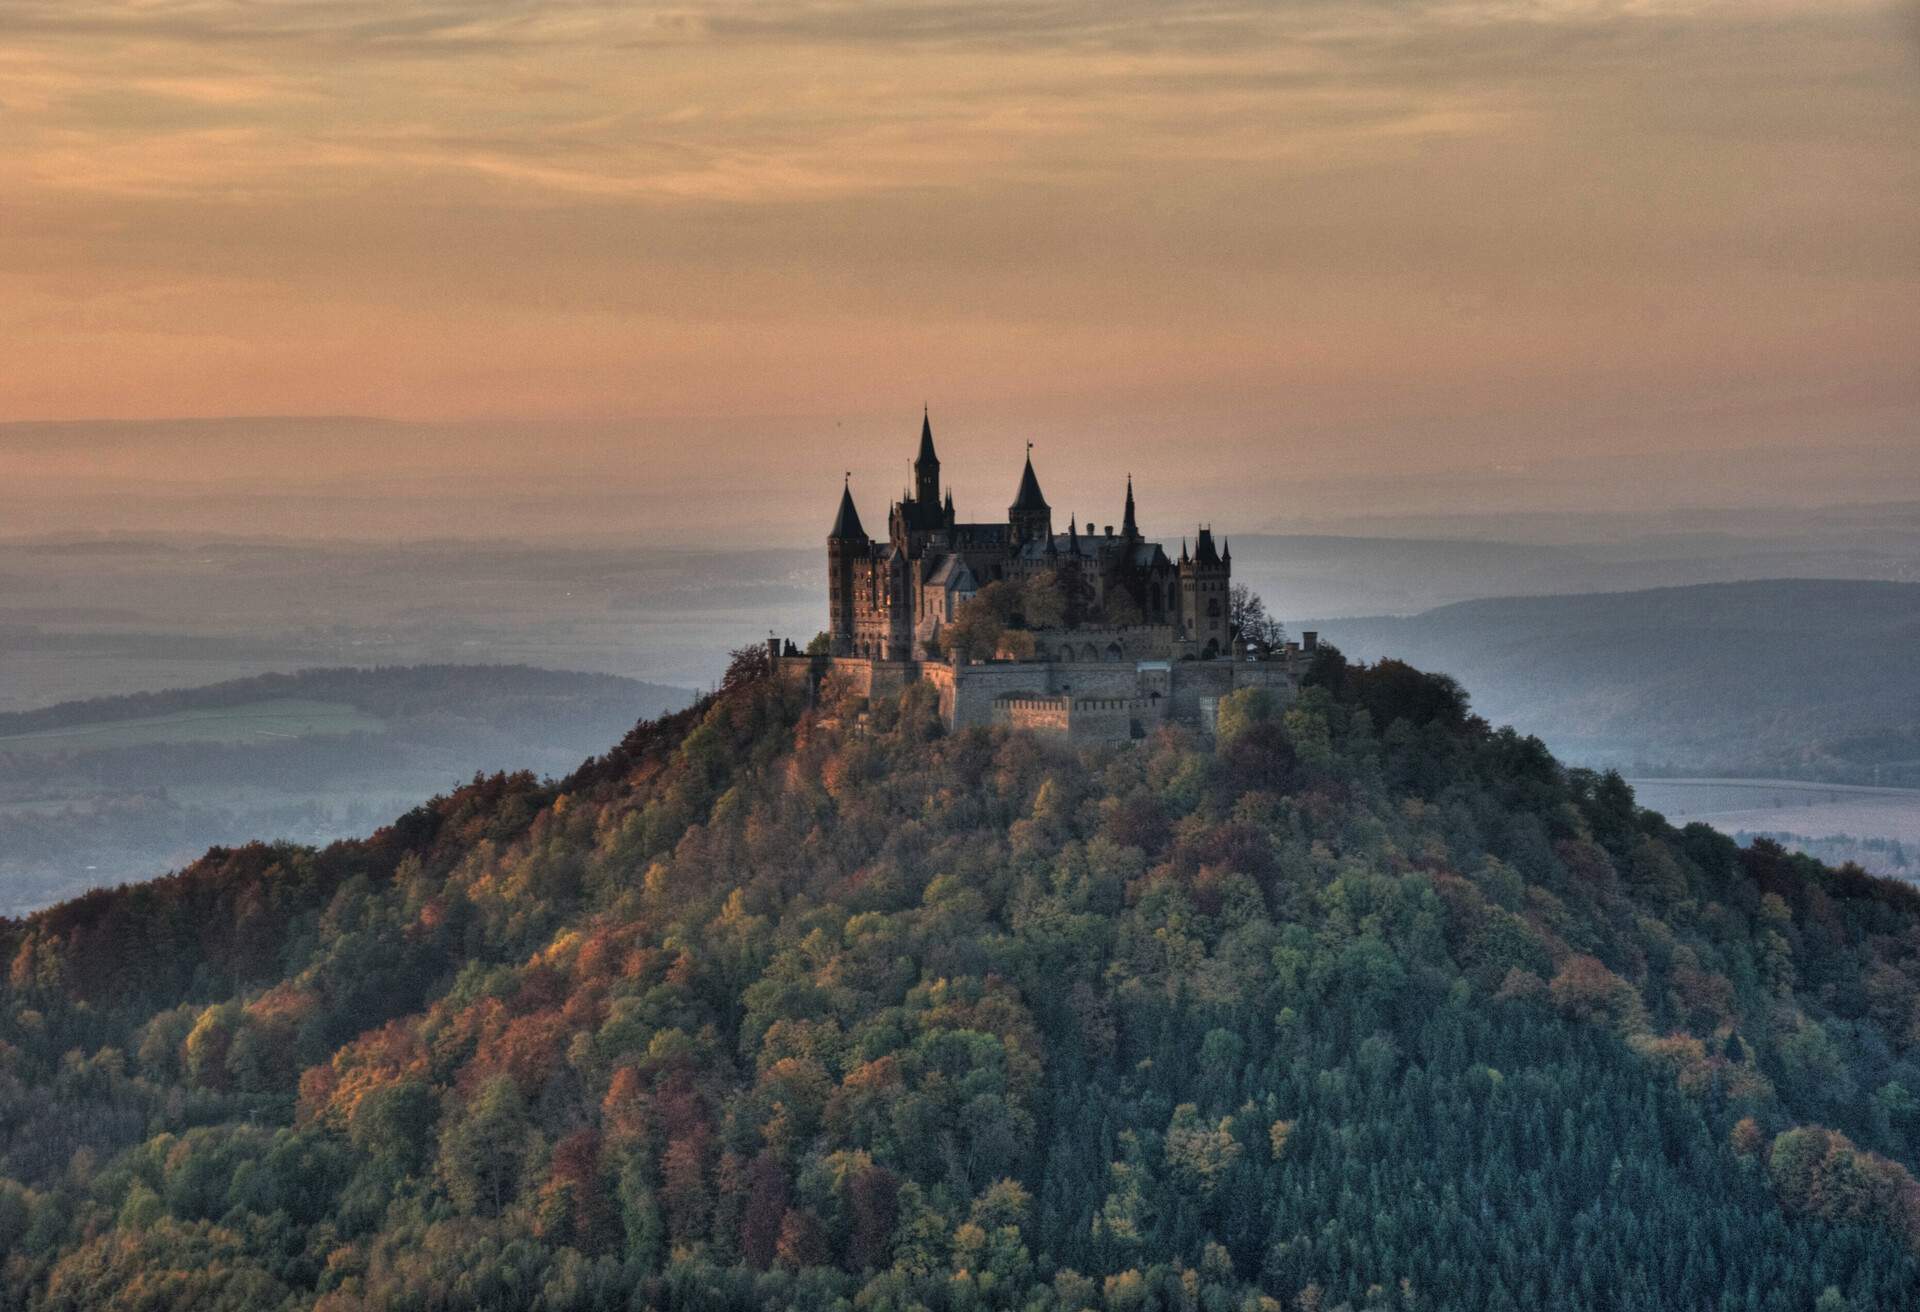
926	467
1030	517
1129	529
1204	580
845	540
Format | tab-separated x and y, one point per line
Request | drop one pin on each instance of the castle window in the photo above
1213	609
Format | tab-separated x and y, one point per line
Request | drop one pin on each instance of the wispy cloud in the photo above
481	203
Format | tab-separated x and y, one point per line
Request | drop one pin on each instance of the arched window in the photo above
1113	651
1213	649
1066	655
1089	653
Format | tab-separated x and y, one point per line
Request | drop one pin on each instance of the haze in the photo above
1279	260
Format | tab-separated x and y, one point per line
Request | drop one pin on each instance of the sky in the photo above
1266	256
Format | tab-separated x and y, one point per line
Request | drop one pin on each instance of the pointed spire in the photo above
1128	527
846	524
1028	497
1183	549
926	456
1226	549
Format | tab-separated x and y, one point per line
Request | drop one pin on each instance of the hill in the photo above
1805	678
114	788
1367	1006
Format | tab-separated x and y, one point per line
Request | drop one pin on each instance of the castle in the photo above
1096	635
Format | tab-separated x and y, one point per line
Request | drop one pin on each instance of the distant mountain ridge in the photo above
1819	677
108	789
378	688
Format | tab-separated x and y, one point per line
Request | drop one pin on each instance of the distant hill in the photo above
1817	678
776	1006
115	788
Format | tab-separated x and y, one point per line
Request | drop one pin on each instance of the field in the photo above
1765	805
1878	827
255	722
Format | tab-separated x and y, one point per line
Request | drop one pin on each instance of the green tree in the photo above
485	1148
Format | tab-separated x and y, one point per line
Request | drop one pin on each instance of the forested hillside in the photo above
1369	1005
1806	678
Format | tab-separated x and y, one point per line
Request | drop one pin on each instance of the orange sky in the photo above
1331	238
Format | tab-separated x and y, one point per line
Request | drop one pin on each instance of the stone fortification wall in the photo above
1114	719
1107	697
1198	686
1085	721
1097	643
866	678
1042	714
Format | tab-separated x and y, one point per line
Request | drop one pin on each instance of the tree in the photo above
873	1206
484	1151
746	665
802	1242
1043	601
979	622
1247	619
766	1211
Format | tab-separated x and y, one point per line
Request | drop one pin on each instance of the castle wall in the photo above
1093	643
976	687
1090	702
1040	714
1112	719
866	678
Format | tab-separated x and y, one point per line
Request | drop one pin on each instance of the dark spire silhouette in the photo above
1128	528
1203	550
846	524
1028	497
926	456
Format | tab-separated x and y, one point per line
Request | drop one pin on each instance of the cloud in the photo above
483	204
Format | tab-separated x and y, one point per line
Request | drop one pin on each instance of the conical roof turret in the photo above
1128	527
846	524
1028	498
